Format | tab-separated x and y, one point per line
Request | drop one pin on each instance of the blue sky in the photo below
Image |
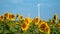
47	7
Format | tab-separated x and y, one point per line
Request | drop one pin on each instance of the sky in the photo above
47	8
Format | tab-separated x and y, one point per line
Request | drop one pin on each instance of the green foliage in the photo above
16	29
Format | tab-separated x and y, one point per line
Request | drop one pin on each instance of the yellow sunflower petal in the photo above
37	20
24	26
1	17
11	17
20	17
43	27
28	20
7	15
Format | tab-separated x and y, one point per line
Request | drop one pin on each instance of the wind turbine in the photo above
39	10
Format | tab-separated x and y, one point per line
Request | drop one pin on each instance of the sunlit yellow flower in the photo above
33	21
20	17
47	29
28	20
7	15
59	24
43	27
36	20
1	17
24	26
55	18
11	17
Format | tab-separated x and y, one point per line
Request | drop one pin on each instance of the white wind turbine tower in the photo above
39	10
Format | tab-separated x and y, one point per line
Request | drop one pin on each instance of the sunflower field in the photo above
18	24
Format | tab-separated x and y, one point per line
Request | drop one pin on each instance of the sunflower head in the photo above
43	27
55	16
27	20
11	17
47	29
59	24
24	27
1	17
36	20
20	17
7	15
33	21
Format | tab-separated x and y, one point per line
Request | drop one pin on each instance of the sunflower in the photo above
26	23
47	29
59	24
55	18
36	20
1	17
43	27
7	15
24	26
20	17
28	20
11	17
33	21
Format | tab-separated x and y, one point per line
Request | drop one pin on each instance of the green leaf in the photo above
12	29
